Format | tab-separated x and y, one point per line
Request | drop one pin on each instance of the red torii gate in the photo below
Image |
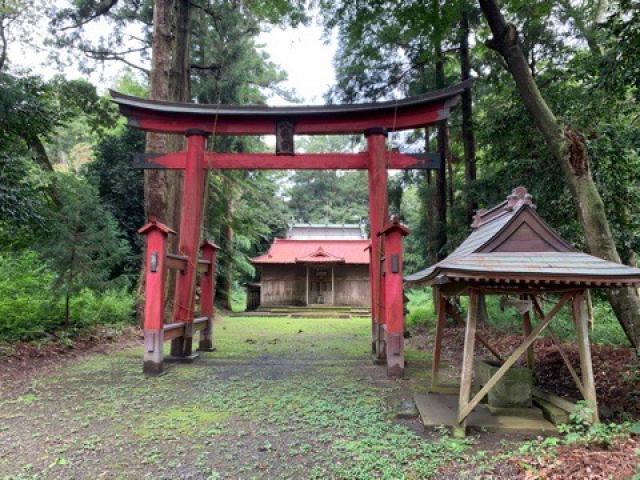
196	122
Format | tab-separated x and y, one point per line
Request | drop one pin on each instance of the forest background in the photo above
71	200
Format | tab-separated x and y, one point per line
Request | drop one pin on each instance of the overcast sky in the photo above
302	52
306	57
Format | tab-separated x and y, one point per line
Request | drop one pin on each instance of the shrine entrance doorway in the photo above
321	285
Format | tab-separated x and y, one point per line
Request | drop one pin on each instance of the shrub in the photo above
27	304
110	307
29	308
421	312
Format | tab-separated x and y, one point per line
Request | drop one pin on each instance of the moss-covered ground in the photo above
279	398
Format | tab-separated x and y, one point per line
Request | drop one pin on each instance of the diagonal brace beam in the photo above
455	313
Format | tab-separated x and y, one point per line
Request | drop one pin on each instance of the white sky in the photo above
302	53
307	59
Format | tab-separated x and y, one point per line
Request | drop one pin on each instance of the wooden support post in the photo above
581	319
455	314
441	309
556	341
466	376
333	285
526	324
208	295
307	285
393	295
154	284
190	221
463	412
378	211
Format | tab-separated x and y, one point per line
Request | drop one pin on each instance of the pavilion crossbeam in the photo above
301	161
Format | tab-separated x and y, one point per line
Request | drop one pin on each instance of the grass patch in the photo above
183	420
304	406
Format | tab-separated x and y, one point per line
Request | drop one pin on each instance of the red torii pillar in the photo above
207	295
394	296
189	242
154	285
378	211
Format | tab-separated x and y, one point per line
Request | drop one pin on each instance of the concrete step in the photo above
441	410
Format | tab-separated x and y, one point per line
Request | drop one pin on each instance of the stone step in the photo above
555	415
313	309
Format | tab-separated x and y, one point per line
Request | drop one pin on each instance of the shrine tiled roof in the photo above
511	243
287	251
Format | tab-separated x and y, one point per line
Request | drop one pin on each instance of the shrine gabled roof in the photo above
511	243
286	251
171	117
320	256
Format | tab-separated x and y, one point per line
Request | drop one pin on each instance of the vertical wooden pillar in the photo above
190	221
378	212
154	284
466	377
441	309
526	323
208	295
393	295
307	285
581	320
333	284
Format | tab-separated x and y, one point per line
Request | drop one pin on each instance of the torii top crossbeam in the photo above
168	117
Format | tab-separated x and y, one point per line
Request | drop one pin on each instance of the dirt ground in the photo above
280	398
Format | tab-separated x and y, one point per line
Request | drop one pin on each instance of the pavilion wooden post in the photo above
154	285
441	309
378	208
465	407
208	295
190	222
466	376
526	324
581	319
394	296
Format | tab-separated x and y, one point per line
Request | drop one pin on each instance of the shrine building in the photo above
316	265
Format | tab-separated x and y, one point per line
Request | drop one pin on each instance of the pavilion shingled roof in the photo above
511	243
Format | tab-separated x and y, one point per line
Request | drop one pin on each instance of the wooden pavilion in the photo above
511	251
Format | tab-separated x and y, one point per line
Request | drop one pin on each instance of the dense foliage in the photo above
71	200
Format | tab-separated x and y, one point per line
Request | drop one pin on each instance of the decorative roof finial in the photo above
519	197
477	218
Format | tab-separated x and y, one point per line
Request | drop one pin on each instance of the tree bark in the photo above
441	185
569	149
468	137
170	80
226	284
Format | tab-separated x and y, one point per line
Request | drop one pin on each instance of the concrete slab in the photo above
441	410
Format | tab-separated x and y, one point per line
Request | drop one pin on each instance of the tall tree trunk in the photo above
169	81
468	137
226	284
441	185
569	149
67	300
